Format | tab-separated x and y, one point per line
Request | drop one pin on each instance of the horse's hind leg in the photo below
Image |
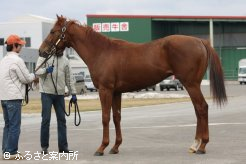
116	106
201	109
106	103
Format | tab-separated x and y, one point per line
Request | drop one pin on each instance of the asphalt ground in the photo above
151	134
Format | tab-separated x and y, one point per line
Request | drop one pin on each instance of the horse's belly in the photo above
137	81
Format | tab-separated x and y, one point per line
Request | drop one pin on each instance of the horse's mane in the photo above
90	33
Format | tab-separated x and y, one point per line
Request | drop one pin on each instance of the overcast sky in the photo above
78	9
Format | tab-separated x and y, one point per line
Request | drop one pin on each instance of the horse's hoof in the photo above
192	150
98	154
200	152
112	151
195	146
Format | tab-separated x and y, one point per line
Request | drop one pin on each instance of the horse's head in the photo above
57	40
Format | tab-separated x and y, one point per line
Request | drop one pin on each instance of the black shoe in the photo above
66	151
44	151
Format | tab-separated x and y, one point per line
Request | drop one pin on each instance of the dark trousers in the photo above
59	105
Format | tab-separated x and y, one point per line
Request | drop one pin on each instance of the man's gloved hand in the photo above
74	99
49	69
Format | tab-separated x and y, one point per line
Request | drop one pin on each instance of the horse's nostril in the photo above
42	54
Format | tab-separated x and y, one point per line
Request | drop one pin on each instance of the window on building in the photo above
30	66
28	42
33	67
1	41
27	64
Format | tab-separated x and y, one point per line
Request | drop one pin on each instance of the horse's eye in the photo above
52	32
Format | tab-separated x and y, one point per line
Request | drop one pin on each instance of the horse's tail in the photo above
217	86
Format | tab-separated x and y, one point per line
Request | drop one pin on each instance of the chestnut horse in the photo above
117	66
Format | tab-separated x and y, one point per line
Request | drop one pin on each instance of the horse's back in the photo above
182	39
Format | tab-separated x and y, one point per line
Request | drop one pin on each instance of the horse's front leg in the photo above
106	103
116	106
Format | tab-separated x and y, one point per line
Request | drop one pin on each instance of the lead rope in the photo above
76	110
26	94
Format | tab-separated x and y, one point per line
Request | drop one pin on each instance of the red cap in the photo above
14	39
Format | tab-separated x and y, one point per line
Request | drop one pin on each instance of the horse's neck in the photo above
88	50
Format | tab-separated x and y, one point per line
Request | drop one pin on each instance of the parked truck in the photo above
242	71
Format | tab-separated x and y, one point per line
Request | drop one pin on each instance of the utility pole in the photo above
211	37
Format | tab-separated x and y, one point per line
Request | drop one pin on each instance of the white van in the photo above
242	71
89	85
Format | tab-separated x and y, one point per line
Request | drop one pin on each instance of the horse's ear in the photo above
59	17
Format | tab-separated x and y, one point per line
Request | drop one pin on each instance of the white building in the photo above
1	51
34	29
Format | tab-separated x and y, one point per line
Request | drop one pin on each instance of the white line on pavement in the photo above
165	126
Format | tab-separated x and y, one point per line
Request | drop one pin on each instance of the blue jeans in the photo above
11	131
59	105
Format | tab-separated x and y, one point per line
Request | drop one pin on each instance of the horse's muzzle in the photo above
43	54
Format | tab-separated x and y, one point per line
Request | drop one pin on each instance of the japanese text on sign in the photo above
111	27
